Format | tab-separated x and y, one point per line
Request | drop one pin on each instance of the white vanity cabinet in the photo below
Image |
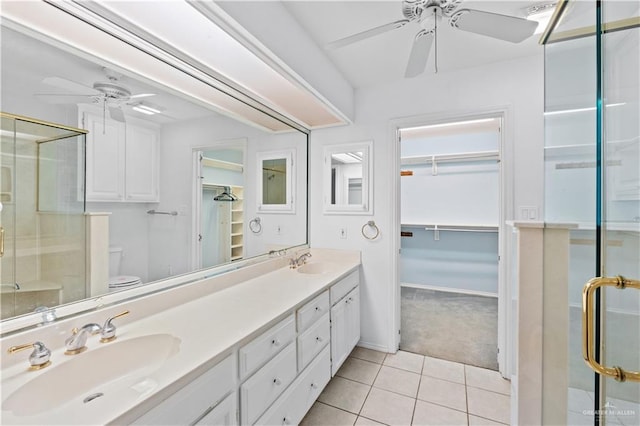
209	399
345	319
122	160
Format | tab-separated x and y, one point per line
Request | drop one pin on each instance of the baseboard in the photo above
450	290
374	346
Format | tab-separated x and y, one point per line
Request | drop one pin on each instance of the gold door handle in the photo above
1	241
588	342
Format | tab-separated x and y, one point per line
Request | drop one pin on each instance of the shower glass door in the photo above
42	234
592	194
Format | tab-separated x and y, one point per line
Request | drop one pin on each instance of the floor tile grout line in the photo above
415	401
370	388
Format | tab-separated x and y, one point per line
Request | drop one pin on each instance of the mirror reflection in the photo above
274	181
347	177
169	187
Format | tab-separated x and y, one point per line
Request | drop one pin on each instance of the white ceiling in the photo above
383	58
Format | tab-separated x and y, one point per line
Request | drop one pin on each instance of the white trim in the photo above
505	345
374	346
449	289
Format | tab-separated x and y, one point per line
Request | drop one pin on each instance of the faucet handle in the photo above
39	358
109	330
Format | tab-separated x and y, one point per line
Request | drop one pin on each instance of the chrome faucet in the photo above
39	358
78	340
301	260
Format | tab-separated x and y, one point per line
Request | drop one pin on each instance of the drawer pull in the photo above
285	421
318	308
277	381
319	339
314	386
348	301
275	342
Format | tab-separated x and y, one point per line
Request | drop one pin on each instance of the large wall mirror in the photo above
174	176
347	178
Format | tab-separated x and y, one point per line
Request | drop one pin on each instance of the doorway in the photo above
218	204
450	239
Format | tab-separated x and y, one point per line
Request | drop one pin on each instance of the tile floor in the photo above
373	388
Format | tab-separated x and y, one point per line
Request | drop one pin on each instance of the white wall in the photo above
516	86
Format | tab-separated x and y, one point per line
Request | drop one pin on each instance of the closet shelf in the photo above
450	227
449	158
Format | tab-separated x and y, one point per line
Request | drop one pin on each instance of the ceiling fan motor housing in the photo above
112	90
415	9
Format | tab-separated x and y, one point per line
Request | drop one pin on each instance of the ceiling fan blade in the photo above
69	85
59	98
142	95
368	33
419	53
116	113
503	27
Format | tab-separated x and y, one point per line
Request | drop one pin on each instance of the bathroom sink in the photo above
93	374
315	268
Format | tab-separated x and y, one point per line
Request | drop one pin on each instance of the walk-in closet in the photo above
450	215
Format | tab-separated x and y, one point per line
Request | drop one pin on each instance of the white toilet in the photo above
117	281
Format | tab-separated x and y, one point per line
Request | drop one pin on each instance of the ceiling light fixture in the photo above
541	13
145	109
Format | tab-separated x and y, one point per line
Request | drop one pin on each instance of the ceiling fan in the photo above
429	13
111	94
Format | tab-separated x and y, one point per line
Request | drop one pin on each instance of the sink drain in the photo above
92	397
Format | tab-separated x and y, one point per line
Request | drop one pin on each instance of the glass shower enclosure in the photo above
591	343
42	223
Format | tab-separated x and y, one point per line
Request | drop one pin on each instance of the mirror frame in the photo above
365	208
290	178
38	30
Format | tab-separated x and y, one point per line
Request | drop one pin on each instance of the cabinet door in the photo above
345	328
338	335
224	414
353	314
141	164
105	158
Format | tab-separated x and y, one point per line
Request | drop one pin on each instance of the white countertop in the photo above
209	327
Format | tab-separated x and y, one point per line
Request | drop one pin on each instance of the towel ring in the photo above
255	225
373	225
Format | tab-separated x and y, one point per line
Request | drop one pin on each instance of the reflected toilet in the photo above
117	281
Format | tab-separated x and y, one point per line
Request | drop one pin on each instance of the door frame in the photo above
196	190
506	334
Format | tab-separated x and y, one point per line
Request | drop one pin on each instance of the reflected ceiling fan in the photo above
429	13
111	94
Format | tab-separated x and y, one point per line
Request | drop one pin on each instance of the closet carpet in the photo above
451	326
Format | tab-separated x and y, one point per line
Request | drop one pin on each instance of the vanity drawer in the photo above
292	406
257	393
344	286
313	340
312	311
263	348
189	403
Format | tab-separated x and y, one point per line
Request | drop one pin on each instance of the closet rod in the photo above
455	228
465	156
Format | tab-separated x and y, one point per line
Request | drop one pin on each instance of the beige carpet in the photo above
452	326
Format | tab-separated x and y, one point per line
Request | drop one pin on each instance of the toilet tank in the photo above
115	255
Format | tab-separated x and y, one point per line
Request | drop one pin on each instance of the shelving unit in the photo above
237	224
